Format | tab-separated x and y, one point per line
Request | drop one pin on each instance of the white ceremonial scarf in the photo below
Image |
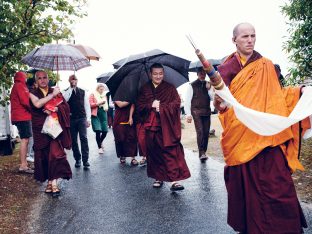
100	98
266	124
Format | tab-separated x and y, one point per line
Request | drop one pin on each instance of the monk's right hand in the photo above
218	102
155	105
56	91
47	112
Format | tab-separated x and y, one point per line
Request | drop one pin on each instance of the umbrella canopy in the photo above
87	51
56	57
133	73
104	77
195	65
133	57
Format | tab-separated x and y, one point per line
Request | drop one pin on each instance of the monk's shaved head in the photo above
244	38
240	25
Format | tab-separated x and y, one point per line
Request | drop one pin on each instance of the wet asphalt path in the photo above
115	198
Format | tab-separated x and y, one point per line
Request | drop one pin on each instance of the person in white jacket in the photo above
80	114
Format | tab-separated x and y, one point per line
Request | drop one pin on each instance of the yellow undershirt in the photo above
44	91
243	59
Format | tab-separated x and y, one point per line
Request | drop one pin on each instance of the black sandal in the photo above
176	187
122	160
55	191
143	161
157	184
134	162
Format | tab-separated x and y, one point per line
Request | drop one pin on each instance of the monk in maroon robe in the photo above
125	132
159	104
50	157
261	194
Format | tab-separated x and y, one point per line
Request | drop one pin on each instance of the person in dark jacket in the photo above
197	107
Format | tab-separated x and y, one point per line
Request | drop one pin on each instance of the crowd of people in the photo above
261	193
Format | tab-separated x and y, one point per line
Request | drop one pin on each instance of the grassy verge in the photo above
17	192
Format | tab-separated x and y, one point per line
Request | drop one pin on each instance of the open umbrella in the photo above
133	72
195	65
133	57
87	51
56	57
104	77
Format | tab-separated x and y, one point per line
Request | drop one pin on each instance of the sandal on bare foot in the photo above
157	184
48	189
122	160
143	161
55	191
134	162
176	187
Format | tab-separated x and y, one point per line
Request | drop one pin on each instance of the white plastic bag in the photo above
51	127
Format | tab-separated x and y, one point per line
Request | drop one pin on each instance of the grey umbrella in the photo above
133	72
195	65
104	77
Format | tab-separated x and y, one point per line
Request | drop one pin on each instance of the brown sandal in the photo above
48	189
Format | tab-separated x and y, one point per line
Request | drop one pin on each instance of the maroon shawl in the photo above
169	114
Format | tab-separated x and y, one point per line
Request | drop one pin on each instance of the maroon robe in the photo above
140	130
165	154
261	194
50	158
125	135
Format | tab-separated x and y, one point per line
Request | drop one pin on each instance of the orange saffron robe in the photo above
257	87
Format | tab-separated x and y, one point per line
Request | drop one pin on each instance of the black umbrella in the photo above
104	77
133	72
195	65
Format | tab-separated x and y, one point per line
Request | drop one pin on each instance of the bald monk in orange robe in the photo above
261	193
159	105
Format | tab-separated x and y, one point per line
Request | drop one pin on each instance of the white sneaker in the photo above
101	151
30	159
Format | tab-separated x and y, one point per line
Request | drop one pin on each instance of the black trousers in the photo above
79	126
202	127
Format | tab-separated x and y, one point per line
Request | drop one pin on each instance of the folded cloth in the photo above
52	126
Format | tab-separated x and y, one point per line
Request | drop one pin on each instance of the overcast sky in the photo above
118	28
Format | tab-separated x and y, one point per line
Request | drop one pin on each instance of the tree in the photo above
299	43
26	24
